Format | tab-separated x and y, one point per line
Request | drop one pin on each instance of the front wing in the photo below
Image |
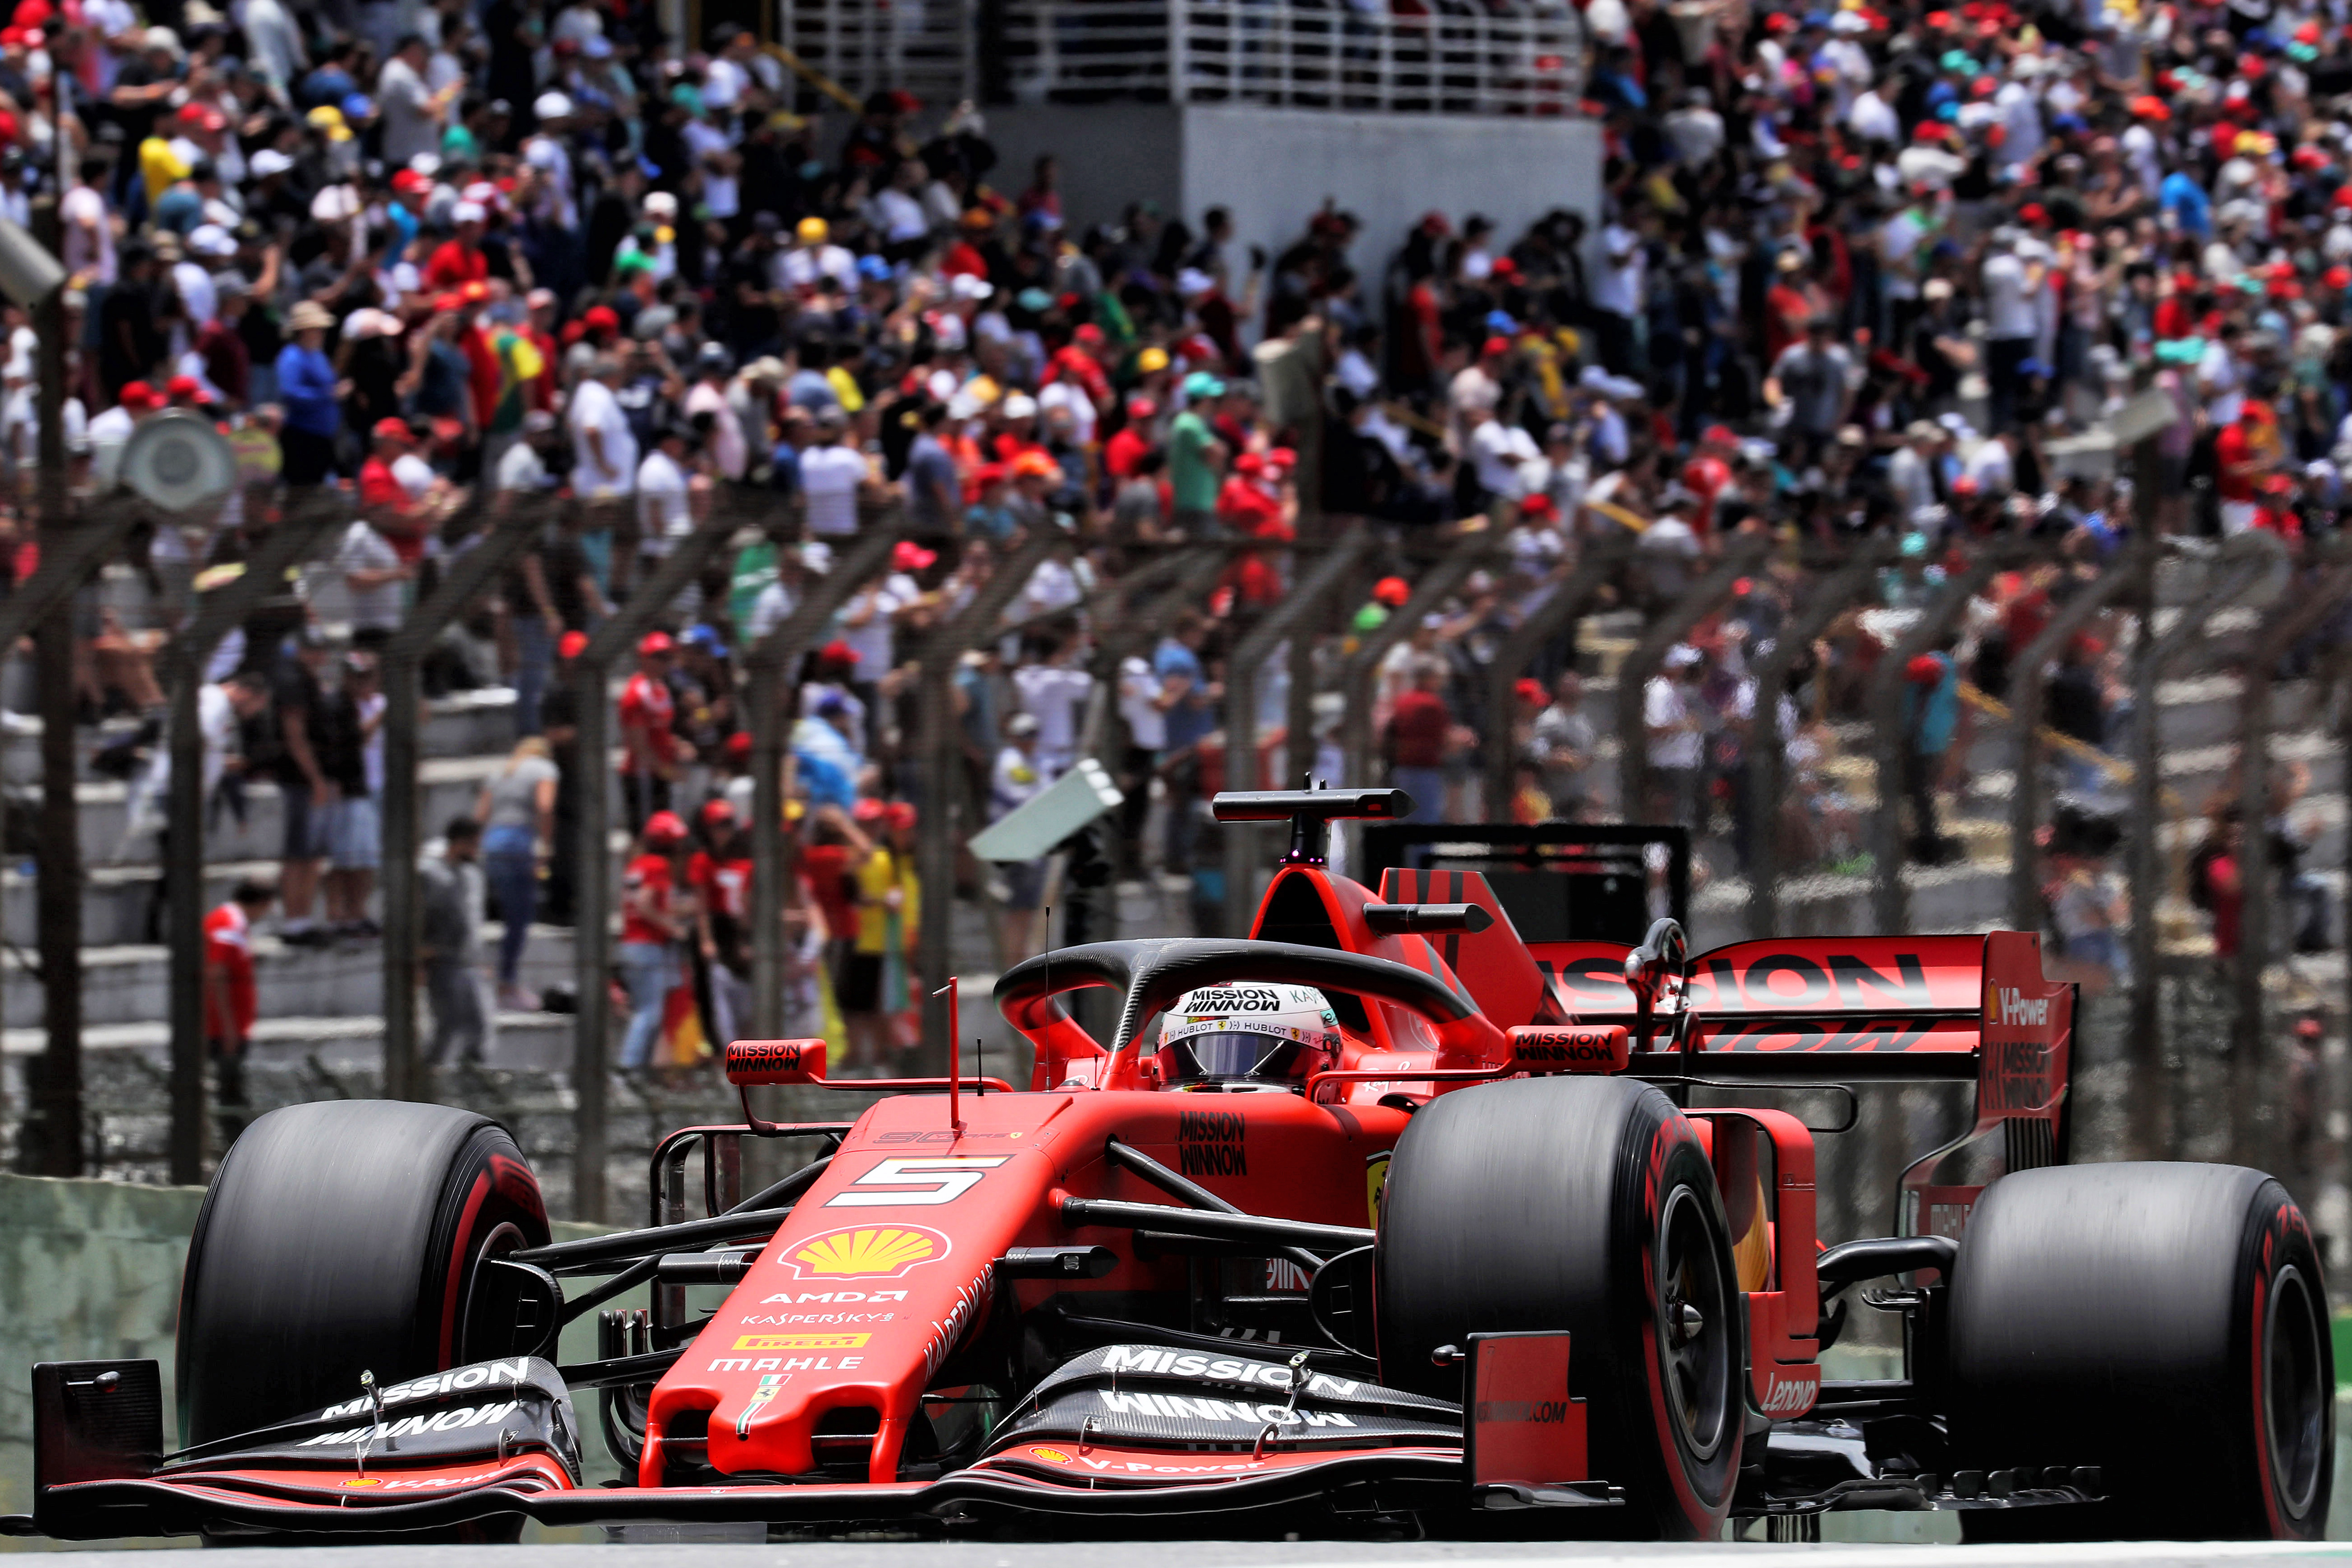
1133	1430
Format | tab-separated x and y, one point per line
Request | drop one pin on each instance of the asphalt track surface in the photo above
1254	1554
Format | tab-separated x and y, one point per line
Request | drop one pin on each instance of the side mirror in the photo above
1665	954
750	1063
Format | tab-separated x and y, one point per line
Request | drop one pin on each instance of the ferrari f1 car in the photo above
1383	1219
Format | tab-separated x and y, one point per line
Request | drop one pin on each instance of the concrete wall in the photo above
1275	167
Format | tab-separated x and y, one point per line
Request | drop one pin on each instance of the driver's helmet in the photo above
1246	1035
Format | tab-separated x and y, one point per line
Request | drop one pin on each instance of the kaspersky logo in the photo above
868	1252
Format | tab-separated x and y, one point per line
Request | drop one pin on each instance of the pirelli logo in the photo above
802	1341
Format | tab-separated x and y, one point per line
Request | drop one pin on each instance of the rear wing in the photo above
1851	1009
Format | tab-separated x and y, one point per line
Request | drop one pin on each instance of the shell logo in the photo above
870	1252
1051	1456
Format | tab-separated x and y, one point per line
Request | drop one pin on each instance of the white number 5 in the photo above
941	1180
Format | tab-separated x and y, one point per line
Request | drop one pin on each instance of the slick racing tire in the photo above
339	1238
2167	1323
1583	1203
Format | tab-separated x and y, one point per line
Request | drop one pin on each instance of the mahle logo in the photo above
870	1252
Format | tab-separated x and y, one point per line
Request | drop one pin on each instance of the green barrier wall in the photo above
93	1269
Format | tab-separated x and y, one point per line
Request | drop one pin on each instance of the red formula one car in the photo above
1383	1219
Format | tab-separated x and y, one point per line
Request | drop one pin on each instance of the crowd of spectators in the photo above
1861	273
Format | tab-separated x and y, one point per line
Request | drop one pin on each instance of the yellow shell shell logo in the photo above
870	1252
1051	1456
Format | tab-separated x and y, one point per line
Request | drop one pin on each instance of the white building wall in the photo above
1274	167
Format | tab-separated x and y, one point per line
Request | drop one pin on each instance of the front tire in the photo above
2166	1322
1583	1203
341	1237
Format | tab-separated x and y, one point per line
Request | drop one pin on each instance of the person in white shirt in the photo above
605	449
1696	129
665	500
410	111
1012	782
729	454
1669	712
1054	695
815	257
869	621
2011	324
898	209
545	153
832	473
1617	296
1499	451
725	78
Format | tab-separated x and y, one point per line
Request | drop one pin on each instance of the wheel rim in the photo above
1693	1324
2294	1404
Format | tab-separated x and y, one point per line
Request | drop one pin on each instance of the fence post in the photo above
770	666
72	548
1291	619
2026	699
592	935
1767	748
1603	559
2244	562
936	836
287	545
2248	1042
1702	599
1890	901
403	719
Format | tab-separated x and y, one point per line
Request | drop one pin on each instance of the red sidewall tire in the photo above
1549	1204
341	1236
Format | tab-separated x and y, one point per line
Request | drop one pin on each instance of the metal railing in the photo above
922	46
1285	54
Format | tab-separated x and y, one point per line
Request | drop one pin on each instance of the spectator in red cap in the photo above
657	914
648	749
719	873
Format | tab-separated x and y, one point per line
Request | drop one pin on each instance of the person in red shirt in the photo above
648	748
1125	449
1420	738
390	508
1708	473
539	391
2243	450
654	918
1243	505
231	999
1078	362
835	848
459	259
720	875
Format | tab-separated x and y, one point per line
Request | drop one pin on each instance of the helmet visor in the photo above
1237	1054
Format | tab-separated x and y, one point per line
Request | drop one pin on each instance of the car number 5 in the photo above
918	1183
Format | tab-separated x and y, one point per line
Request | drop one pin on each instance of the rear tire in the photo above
341	1237
1583	1203
2166	1322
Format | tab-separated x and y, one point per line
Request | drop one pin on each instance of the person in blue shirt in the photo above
1931	717
2186	203
1191	706
306	388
